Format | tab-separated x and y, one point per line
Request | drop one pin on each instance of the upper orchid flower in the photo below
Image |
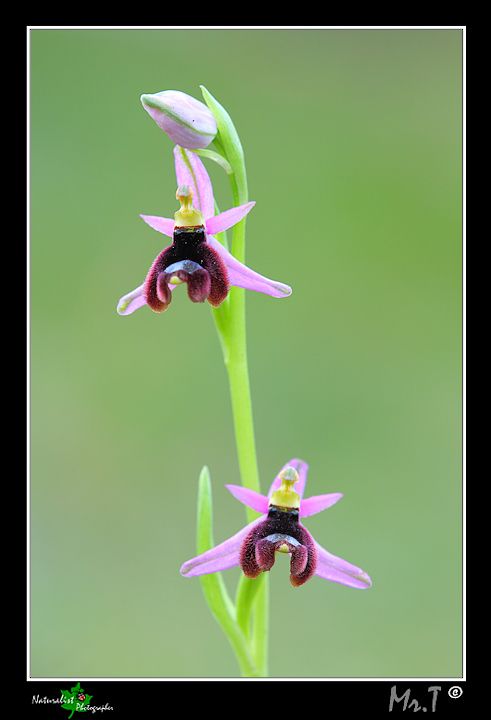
279	530
195	256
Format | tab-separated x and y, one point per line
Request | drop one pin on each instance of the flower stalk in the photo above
233	332
252	599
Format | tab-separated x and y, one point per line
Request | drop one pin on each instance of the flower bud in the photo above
187	121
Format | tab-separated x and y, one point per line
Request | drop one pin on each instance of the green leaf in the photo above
216	593
214	590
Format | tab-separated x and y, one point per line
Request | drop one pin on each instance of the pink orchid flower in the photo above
196	257
279	530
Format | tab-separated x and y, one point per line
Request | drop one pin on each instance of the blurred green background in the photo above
358	372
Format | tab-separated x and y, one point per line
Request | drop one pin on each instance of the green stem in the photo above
257	597
238	374
249	599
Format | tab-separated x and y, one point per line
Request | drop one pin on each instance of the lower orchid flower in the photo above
195	256
279	530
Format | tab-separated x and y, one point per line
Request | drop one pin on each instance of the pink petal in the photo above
191	171
242	276
224	221
251	498
131	302
331	567
317	503
221	557
163	225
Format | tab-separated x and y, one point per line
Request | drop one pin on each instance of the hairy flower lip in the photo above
279	531
190	171
228	553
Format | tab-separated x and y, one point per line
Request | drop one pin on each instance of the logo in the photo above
76	700
73	700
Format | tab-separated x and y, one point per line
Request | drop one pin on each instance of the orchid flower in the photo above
279	530
195	256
